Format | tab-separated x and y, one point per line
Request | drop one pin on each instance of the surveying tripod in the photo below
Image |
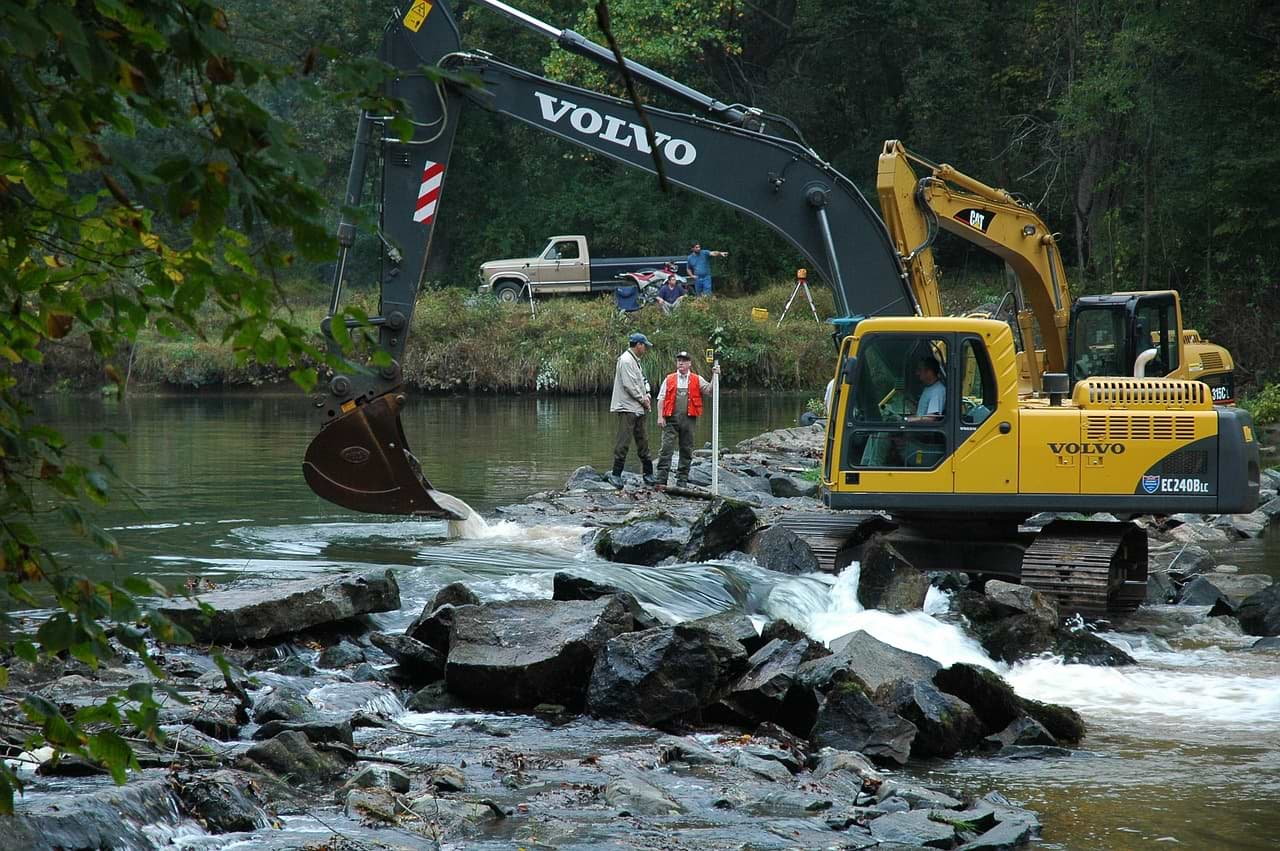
802	283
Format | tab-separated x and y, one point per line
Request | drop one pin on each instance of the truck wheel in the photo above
507	292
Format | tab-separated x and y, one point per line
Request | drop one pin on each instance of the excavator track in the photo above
1090	568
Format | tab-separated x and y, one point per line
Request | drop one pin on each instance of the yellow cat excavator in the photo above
1121	334
927	423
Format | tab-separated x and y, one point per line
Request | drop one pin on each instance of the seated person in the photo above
627	298
670	293
933	397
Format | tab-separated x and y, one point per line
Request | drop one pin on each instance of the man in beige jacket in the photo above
631	404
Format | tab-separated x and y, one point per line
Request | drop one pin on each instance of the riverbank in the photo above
465	343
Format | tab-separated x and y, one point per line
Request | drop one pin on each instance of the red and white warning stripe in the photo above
429	192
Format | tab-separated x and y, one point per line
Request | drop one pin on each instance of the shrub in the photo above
1264	406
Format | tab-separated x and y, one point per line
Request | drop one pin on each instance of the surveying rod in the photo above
713	359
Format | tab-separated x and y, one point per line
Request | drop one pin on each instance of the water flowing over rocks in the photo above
259	613
784	742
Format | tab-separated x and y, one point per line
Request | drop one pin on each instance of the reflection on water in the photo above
196	465
1183	748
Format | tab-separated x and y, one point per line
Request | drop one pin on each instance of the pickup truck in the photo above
564	266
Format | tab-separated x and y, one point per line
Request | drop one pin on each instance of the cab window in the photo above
1099	336
899	403
1157	328
977	385
564	250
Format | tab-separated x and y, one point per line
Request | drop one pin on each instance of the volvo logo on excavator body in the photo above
1087	448
610	128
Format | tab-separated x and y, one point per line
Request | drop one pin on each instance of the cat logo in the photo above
975	218
417	14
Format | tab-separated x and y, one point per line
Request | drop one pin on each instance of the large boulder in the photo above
733	623
1081	647
887	580
997	706
848	720
1179	559
222	802
664	673
944	723
779	549
632	794
647	541
915	829
1006	633
1259	613
782	485
763	692
1013	599
525	652
587	478
279	609
867	660
291	757
722	527
1201	591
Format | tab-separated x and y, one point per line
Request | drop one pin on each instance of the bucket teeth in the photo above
361	460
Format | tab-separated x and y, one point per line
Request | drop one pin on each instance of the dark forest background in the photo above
1146	133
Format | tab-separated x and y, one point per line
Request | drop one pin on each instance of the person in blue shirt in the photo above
670	293
700	267
933	396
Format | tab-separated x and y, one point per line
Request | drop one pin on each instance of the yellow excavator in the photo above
1121	334
927	421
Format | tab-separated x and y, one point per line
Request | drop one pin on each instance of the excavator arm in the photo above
360	459
916	208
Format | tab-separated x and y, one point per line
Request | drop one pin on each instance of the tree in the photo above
142	182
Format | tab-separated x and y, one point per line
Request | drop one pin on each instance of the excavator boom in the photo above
725	152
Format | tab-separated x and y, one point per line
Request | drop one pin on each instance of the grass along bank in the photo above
465	343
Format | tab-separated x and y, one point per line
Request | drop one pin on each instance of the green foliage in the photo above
101	243
1264	405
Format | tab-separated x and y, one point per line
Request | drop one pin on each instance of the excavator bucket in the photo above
361	461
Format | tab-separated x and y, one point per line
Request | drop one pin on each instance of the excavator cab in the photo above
1138	334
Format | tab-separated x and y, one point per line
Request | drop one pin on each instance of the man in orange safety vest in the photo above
679	406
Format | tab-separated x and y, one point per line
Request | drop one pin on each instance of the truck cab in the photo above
562	266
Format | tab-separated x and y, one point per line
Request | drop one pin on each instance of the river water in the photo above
1183	749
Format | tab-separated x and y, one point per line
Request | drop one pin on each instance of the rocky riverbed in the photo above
594	718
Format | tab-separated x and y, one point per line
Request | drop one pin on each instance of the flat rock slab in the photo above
257	613
913	828
525	652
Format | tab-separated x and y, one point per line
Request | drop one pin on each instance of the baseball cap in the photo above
640	338
683	356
